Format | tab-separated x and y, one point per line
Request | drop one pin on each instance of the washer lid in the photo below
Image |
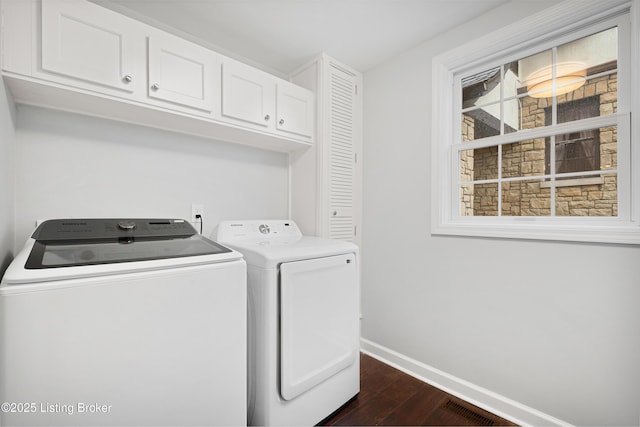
68	249
70	243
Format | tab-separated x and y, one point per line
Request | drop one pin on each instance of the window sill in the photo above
597	180
538	228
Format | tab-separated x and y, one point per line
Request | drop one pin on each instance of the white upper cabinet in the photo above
182	72
90	43
255	97
295	109
78	56
248	94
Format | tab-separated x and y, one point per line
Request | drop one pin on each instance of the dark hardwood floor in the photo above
391	397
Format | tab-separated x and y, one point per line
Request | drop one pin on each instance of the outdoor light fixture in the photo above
570	76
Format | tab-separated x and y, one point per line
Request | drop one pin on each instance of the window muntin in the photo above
570	84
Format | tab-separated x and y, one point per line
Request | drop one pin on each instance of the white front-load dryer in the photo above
303	321
123	322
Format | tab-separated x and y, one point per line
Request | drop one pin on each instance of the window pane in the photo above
584	151
589	54
595	59
609	148
481	123
479	200
466	165
525	158
512	115
531	111
588	198
596	97
526	198
466	200
479	164
481	88
511	83
535	73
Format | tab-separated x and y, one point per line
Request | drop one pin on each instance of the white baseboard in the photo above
476	395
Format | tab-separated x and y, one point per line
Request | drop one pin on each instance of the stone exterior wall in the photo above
467	168
596	196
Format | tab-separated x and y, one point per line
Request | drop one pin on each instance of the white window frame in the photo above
565	21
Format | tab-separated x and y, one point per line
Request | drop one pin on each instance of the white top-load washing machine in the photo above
123	322
303	321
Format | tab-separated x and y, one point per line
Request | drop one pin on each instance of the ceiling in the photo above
284	34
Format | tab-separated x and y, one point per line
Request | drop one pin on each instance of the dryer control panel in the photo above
257	229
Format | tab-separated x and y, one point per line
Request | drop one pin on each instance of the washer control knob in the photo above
264	229
126	225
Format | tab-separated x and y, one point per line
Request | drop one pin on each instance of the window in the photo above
536	141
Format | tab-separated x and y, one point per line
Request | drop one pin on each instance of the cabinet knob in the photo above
335	213
127	79
281	121
155	86
266	118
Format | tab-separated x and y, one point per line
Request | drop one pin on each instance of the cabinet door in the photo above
182	72
247	94
295	109
90	43
340	146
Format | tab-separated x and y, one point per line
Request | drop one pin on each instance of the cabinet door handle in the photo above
281	121
155	86
266	118
127	79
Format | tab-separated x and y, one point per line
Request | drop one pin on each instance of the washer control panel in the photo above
256	229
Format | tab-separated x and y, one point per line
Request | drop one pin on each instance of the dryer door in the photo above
319	332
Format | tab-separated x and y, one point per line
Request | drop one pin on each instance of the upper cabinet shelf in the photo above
77	56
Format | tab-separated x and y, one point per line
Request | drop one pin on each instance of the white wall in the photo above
554	326
68	165
7	199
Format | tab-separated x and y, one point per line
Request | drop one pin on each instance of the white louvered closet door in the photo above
341	160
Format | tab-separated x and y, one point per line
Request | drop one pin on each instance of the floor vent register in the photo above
467	413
